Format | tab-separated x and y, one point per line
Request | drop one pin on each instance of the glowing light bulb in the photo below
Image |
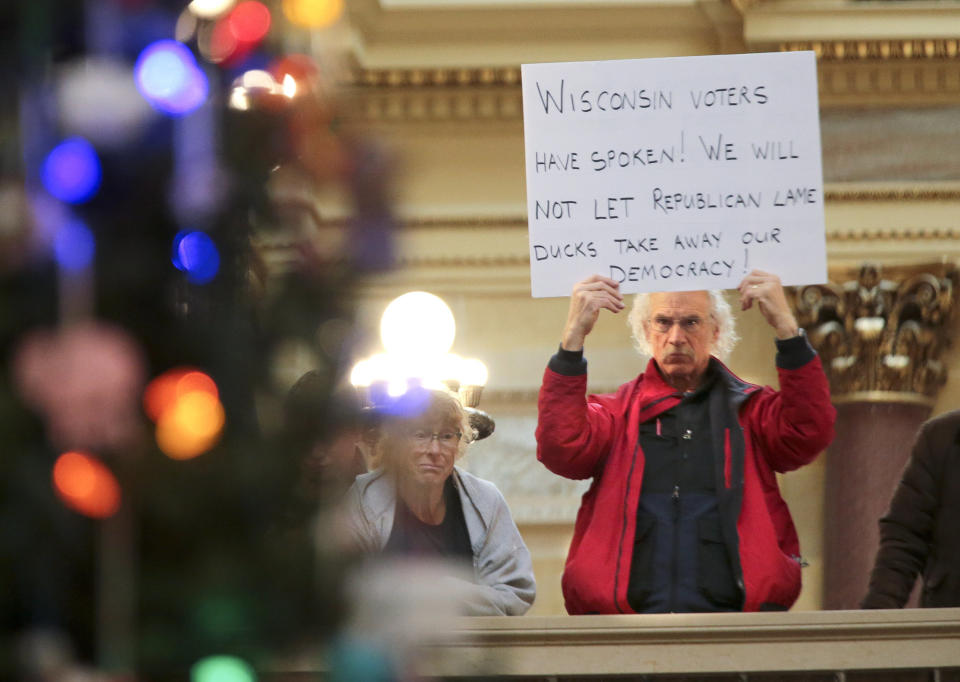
473	373
360	375
71	171
168	77
396	387
417	324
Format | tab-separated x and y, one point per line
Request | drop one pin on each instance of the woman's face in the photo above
428	453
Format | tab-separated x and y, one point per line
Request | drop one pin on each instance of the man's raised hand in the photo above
764	289
588	298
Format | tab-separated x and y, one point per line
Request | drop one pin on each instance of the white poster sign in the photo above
674	174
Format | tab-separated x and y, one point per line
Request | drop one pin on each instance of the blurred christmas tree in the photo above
153	511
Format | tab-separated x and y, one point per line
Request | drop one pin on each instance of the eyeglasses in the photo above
447	439
664	324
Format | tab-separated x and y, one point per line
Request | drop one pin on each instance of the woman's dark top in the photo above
412	537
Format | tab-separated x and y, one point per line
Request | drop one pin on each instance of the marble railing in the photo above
835	646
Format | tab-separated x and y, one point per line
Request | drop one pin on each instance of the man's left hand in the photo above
764	289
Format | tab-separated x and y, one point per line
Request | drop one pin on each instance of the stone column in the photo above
880	334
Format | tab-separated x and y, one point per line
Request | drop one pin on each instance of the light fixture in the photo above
417	330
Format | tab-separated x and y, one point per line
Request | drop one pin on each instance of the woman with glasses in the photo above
417	503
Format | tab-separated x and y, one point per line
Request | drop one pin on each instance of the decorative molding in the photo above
882	329
277	250
897	397
467	222
913	193
893	234
459	260
433	78
884	50
850	72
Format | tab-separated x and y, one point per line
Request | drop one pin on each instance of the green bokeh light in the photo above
222	669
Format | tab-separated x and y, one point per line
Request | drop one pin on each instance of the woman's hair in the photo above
720	313
438	408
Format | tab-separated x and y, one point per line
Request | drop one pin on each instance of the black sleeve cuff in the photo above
569	363
795	352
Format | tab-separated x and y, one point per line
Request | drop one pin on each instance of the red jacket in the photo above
597	436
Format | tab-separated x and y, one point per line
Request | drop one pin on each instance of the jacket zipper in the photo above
623	527
675	497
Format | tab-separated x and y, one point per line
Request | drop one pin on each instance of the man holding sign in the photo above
684	513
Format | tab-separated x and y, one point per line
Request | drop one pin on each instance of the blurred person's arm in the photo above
906	529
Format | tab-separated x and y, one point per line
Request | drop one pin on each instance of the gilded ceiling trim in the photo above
924	49
854	50
476	222
924	74
915	193
433	78
894	234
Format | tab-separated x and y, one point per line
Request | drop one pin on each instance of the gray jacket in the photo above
503	571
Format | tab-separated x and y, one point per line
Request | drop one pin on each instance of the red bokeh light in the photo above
223	43
249	22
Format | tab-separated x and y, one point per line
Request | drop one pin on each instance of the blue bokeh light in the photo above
167	75
196	254
71	172
175	253
408	405
74	246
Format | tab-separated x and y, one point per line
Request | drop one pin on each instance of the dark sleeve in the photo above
794	352
569	363
906	529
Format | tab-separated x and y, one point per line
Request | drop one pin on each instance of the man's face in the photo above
682	334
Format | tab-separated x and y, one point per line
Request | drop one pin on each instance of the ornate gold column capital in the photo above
881	331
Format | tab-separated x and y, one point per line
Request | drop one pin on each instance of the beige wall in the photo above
460	193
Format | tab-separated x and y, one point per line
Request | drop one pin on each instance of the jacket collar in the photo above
657	396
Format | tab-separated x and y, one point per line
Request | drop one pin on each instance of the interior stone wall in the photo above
893	195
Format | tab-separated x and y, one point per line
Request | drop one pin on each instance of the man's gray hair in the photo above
720	313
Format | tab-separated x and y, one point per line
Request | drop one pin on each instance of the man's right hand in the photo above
589	296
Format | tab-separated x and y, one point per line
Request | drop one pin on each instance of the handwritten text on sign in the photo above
674	174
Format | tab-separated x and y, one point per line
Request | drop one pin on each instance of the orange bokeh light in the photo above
163	392
191	426
86	485
313	13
